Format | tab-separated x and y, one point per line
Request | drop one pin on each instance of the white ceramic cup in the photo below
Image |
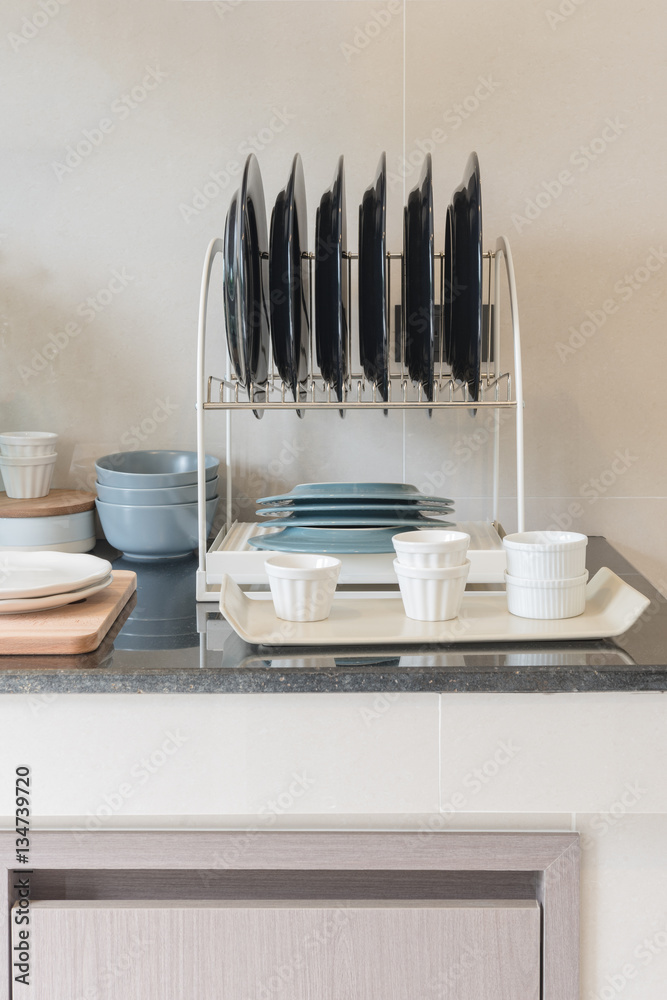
546	555
544	599
27	443
302	585
432	594
431	547
26	478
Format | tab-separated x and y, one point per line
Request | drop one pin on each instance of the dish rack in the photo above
499	389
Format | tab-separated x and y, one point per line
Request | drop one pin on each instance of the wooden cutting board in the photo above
54	503
74	628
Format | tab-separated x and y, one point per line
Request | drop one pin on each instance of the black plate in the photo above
373	334
289	281
418	279
230	293
467	279
331	285
252	246
448	290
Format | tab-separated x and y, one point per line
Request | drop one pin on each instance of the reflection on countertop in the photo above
165	642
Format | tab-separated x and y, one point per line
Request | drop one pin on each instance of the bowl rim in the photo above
407	541
20	461
519	542
210	462
147	507
432	572
154	489
27	437
272	566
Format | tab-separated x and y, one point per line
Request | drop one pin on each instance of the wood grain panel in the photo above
74	628
329	950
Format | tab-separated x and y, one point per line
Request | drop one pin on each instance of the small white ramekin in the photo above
546	598
25	478
546	555
28	443
435	548
432	594
303	585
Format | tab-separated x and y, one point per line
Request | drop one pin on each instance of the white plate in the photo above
85	545
53	600
39	574
612	607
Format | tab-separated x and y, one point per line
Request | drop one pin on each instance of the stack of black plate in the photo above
267	285
347	517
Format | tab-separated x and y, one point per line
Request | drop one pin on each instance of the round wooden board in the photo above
57	502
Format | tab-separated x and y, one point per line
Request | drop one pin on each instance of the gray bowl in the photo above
152	470
155	498
149	533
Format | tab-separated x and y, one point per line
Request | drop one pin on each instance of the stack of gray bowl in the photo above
147	502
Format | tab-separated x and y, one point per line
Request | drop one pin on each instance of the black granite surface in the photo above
165	643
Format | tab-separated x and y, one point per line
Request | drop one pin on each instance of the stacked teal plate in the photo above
347	517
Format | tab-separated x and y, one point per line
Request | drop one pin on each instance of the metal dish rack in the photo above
499	389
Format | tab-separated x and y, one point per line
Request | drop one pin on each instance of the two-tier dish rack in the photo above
499	389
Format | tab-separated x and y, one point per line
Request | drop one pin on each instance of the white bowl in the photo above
431	547
432	594
25	478
302	585
52	530
546	555
26	443
546	598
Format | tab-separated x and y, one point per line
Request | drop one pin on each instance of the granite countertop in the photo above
164	642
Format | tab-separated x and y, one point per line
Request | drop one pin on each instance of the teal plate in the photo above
341	523
350	510
336	541
342	492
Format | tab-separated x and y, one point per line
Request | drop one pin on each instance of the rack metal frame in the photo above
498	389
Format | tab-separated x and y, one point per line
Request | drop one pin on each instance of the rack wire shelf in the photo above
501	386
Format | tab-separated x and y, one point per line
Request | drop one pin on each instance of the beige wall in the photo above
535	84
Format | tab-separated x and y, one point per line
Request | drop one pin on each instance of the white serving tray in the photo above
230	555
612	607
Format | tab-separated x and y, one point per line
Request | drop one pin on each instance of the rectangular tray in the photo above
612	607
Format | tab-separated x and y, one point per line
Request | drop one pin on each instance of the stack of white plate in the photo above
38	581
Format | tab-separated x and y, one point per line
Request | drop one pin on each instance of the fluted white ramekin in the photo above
432	594
28	443
434	548
25	478
546	555
546	598
303	585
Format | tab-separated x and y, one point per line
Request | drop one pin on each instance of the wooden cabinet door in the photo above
283	950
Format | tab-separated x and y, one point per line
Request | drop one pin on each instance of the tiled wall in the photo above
116	119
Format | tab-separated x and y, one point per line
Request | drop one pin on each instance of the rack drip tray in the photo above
230	553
